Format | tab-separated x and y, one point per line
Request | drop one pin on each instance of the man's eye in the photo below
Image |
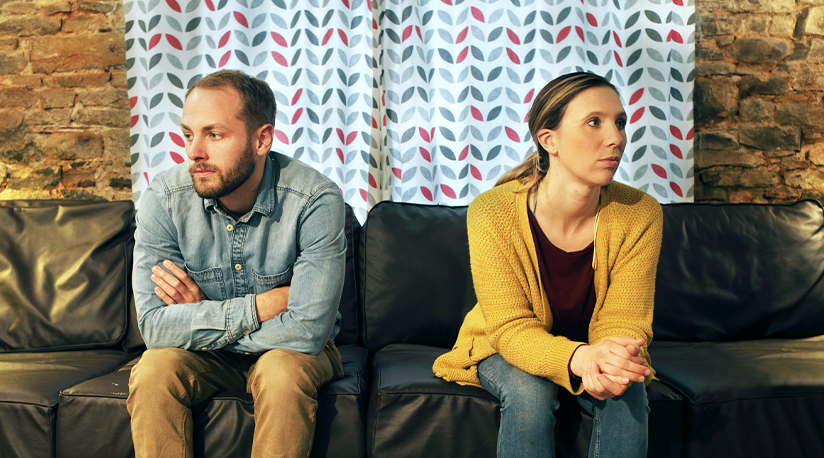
214	135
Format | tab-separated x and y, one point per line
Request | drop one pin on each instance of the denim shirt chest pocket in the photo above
210	282
265	283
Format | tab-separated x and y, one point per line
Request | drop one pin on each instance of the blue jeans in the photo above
529	403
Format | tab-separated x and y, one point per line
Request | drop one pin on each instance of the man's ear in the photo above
262	141
546	138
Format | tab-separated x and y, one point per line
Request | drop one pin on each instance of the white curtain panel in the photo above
416	101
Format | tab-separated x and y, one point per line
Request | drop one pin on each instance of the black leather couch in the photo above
739	308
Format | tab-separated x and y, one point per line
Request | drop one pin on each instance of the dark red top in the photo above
568	280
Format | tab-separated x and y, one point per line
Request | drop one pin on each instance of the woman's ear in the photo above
546	138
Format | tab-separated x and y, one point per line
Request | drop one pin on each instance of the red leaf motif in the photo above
241	19
225	59
397	172
448	2
176	157
279	59
617	40
133	120
296	116
326	37
418	31
512	135
676	189
146	176
448	192
513	37
674	36
407	32
281	137
177	139
174	42
173	5
374	123
425	154
154	40
462	55
676	152
340	155
591	20
618	59
513	57
210	5
529	95
351	137
224	39
346	3
424	135
690	134
340	136
374	23
476	174
636	96
676	132
659	170
477	114
580	32
343	38
363	194
563	33
384	120
462	35
372	181
132	103
426	193
296	96
476	13
637	115
678	2
279	39
464	153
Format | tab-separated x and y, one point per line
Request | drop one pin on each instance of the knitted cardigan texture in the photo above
513	316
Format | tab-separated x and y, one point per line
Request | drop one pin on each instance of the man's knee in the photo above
160	368
285	371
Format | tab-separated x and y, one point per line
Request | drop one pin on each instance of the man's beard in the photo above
228	180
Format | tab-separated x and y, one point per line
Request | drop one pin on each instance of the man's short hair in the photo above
258	106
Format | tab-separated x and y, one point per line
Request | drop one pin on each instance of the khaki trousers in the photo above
166	382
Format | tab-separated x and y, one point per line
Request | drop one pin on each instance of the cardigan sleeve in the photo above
507	291
628	304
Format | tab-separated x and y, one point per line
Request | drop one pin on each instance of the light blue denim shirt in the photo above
293	235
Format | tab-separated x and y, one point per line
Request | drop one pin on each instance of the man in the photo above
238	271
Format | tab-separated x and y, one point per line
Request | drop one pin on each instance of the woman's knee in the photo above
513	386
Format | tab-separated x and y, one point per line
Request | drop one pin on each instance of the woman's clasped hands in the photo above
609	367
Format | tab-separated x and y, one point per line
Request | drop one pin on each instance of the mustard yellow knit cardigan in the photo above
513	316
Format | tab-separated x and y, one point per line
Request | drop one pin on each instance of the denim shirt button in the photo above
238	266
245	332
230	228
205	349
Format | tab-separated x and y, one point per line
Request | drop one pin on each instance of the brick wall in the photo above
64	110
759	116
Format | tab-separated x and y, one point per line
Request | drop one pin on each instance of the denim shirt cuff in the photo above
253	318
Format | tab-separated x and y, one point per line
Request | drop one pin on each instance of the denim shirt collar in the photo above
266	198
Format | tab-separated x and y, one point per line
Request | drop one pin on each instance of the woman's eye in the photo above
594	122
621	123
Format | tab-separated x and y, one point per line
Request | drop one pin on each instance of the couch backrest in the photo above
64	274
348	306
414	277
740	271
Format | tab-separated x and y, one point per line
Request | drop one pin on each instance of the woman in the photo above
563	262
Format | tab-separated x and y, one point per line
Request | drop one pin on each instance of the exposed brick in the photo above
17	97
712	25
714	99
10	119
85	80
805	76
756	110
79	178
815	21
801	50
796	161
708	50
25	26
119	79
8	44
746	196
27	179
769	137
710	193
727	176
781	193
96	7
714	68
54	117
766	85
56	98
758	24
116	143
29	81
86	23
108	97
12	63
799	114
746	6
59	7
17	147
20	8
761	50
710	158
817	154
811	135
816	55
812	178
72	145
78	52
782	26
716	140
78	194
120	183
101	117
760	178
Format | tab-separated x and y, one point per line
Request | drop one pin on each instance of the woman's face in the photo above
588	144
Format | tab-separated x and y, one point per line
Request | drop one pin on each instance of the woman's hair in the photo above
547	110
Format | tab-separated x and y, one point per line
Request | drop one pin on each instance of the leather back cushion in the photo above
64	274
740	272
415	281
348	306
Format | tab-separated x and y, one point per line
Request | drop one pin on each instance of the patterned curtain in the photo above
416	101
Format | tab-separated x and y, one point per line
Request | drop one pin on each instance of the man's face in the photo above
218	146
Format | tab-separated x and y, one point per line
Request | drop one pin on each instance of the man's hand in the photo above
175	287
617	358
271	303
